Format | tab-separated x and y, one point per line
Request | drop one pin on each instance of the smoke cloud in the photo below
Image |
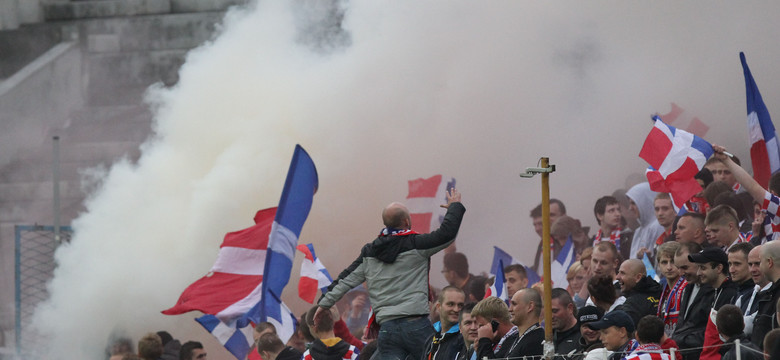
380	92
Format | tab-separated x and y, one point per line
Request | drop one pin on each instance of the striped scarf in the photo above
614	237
669	306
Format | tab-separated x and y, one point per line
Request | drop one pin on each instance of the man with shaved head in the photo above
395	269
525	309
765	319
641	291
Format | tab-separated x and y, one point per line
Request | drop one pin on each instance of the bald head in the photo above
630	273
396	216
770	260
636	266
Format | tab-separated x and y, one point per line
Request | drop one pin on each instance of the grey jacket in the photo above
395	269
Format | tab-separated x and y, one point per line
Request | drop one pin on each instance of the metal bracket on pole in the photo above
531	171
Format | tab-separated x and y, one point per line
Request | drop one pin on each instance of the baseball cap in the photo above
617	318
588	314
710	254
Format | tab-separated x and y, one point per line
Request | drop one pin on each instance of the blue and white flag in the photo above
764	147
294	207
501	258
245	285
560	267
498	289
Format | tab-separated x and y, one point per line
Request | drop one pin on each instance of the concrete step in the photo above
122	78
113	123
82	155
103	8
152	32
40	210
28	191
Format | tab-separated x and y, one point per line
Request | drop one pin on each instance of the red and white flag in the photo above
425	199
313	275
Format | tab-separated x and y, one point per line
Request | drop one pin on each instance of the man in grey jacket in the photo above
395	268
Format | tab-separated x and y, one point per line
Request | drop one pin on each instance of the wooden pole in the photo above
547	251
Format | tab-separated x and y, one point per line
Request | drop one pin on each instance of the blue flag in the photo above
294	207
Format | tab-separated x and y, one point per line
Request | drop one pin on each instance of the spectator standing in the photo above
610	220
566	329
395	269
468	330
695	305
557	209
669	305
516	279
690	228
525	308
493	341
150	347
456	271
447	342
641	204
192	350
271	347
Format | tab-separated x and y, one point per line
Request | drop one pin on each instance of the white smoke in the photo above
478	90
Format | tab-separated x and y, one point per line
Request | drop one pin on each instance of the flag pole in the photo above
545	170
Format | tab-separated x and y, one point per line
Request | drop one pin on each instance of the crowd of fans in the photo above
715	293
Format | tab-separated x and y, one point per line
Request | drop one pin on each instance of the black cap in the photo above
617	318
589	314
710	254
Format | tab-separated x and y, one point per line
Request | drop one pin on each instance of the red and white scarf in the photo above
669	306
614	237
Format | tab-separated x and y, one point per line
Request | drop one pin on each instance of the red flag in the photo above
234	283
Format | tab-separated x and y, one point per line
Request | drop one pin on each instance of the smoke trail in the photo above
381	92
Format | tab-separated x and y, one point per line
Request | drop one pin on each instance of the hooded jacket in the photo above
649	229
331	349
395	269
445	346
642	299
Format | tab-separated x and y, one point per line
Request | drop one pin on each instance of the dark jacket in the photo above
289	353
765	319
729	351
585	347
395	268
446	346
690	327
724	294
485	346
339	350
528	346
171	350
744	292
567	341
642	299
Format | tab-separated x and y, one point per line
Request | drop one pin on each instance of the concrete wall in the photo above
39	98
35	100
18	12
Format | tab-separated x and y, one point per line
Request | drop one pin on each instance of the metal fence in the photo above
35	247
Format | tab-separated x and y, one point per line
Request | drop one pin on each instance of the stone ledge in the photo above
104	8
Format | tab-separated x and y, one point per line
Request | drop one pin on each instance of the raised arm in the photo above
743	178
